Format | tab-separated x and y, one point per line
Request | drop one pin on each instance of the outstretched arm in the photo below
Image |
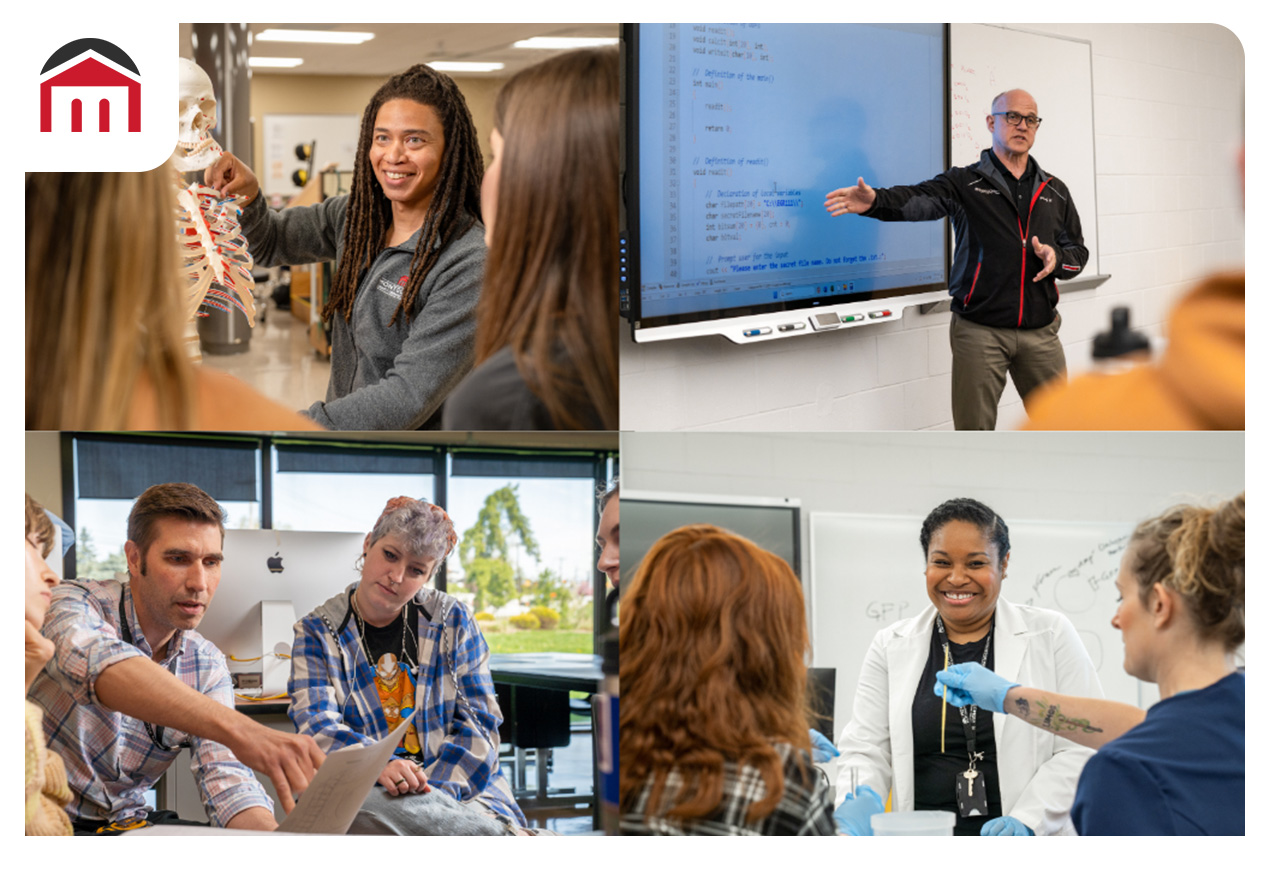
142	689
1088	721
95	666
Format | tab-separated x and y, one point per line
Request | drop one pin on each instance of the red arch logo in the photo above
90	81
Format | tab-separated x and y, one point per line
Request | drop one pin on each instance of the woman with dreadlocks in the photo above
409	249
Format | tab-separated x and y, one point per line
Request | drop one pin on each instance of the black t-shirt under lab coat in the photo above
935	774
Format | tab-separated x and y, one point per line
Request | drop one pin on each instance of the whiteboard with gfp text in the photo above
868	571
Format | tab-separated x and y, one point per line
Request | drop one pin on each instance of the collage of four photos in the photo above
921	387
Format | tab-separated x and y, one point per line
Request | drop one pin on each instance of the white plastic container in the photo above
919	823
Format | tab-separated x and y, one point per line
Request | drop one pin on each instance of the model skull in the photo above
195	148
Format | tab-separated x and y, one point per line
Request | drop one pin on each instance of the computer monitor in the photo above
304	567
820	698
734	134
771	522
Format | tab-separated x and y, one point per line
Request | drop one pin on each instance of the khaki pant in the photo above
982	356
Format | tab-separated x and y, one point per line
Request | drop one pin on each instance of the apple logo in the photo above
274	563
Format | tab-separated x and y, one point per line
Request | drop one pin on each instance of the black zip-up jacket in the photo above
993	263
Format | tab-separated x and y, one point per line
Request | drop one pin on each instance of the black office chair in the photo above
537	720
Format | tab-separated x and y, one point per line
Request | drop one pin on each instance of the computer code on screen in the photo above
742	131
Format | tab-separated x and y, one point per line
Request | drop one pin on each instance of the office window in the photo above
526	519
109	475
525	561
319	487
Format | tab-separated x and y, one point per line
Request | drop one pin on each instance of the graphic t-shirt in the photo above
393	650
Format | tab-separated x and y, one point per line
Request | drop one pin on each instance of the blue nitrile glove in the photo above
972	683
853	816
822	750
1005	826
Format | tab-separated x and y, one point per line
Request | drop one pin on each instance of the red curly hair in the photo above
713	641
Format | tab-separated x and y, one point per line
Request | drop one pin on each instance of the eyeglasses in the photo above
1013	118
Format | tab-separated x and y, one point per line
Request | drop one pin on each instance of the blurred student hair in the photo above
38	523
104	308
713	640
550	290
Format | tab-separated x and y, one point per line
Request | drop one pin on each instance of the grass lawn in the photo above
519	642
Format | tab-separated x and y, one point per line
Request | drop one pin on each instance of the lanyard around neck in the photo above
968	719
155	732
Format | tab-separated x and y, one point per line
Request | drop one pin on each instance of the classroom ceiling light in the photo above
466	66
275	62
339	37
564	42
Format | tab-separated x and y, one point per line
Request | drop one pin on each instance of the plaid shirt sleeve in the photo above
83	628
226	785
805	807
315	708
469	751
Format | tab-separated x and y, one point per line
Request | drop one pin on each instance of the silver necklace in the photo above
361	632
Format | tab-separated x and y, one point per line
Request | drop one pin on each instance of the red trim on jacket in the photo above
1023	235
975	280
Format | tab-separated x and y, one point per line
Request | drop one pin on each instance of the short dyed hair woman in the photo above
409	253
713	724
390	648
546	342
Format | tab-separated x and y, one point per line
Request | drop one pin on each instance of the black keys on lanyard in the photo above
972	793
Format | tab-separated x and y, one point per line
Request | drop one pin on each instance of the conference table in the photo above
551	671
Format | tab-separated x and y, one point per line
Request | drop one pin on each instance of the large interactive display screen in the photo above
736	132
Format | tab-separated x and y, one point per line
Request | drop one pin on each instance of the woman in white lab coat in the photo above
1000	776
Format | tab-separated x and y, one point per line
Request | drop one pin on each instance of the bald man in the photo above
1016	231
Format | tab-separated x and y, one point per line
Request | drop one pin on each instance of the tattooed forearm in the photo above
1050	717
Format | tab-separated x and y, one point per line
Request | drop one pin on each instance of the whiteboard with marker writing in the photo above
868	571
986	59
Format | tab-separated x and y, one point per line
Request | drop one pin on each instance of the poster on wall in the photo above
333	138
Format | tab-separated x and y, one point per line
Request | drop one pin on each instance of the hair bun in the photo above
1226	530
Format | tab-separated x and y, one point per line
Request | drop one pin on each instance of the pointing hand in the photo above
856	199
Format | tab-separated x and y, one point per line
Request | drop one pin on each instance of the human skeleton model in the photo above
214	252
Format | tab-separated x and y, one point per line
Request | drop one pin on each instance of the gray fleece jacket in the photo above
382	378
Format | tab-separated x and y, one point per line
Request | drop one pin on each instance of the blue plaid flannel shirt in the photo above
333	696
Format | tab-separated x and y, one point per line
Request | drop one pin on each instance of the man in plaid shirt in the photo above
132	682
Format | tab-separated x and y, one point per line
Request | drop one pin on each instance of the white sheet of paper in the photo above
346	777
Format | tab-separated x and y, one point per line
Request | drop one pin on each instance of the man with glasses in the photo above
1017	230
132	683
